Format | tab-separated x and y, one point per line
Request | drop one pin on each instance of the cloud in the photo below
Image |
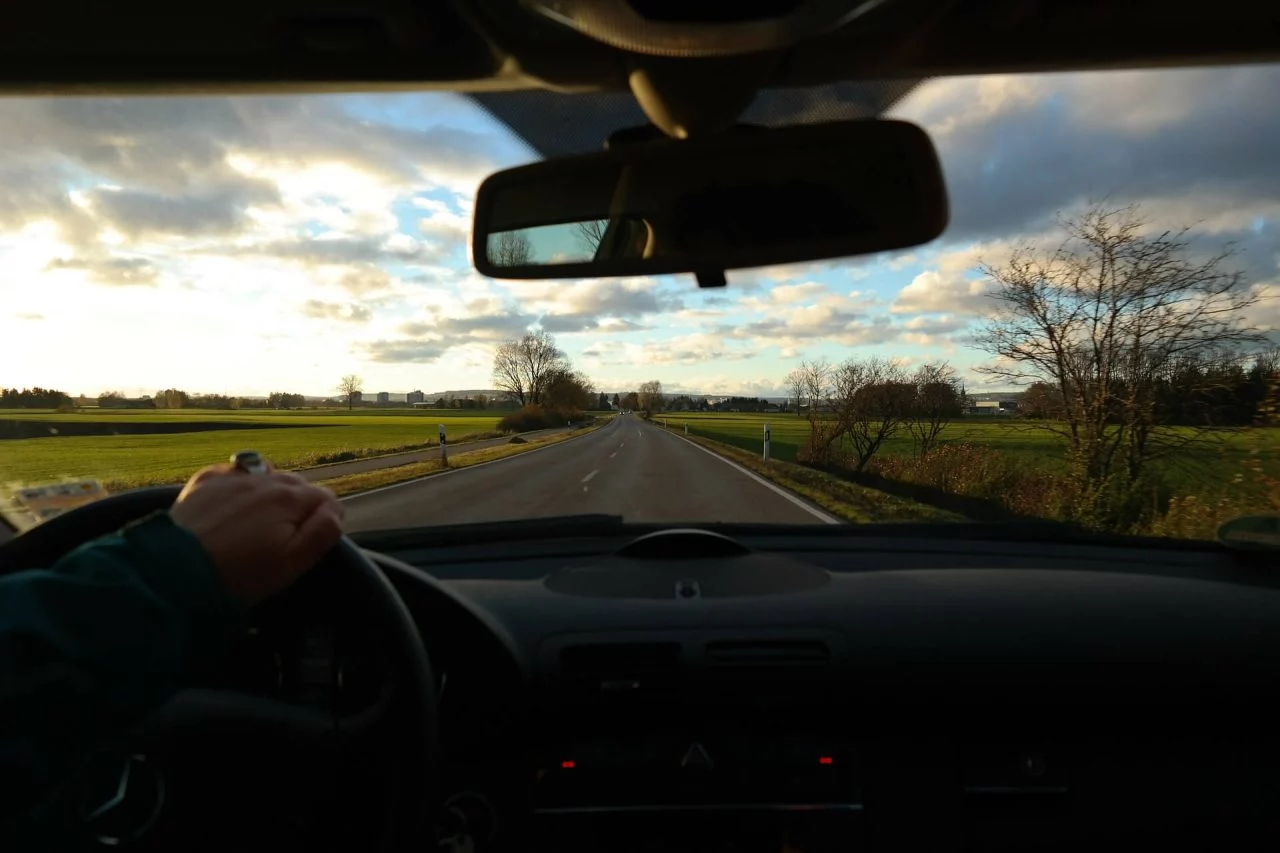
1015	150
602	305
349	312
402	351
220	211
112	270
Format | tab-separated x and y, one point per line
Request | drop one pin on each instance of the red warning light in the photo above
568	765
826	759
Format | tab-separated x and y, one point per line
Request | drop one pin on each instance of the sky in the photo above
243	245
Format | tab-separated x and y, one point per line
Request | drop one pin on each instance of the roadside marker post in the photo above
766	442
444	447
686	429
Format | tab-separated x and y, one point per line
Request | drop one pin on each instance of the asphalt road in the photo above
629	468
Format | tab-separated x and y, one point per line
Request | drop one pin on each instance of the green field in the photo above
302	438
1207	469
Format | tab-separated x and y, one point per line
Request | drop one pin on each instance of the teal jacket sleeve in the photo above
91	644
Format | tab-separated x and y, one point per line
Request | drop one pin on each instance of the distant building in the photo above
383	398
993	407
414	397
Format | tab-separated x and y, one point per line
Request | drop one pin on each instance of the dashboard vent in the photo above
756	654
620	667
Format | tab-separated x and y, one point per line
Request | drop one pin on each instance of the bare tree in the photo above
1100	318
521	366
817	387
873	401
938	397
796	384
650	397
349	386
589	234
510	249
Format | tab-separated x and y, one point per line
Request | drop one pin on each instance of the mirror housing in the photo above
755	197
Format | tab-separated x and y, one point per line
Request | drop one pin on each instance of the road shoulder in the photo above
846	501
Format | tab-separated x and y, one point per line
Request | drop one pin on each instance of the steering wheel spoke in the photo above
199	713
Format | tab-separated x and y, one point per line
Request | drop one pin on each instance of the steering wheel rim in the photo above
411	816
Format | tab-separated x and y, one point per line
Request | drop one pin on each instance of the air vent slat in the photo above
768	653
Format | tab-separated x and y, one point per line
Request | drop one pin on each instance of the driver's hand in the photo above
262	531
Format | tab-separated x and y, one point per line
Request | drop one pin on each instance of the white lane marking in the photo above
613	454
459	470
815	512
584	488
587	479
639	433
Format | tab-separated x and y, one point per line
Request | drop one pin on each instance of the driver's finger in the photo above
314	538
209	472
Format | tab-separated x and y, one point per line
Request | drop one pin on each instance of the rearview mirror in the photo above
752	198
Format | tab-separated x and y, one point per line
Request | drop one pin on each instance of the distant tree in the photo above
651	398
796	384
937	399
521	366
1041	401
616	401
631	401
566	392
34	398
285	400
602	402
171	398
510	249
482	401
111	400
211	401
349	386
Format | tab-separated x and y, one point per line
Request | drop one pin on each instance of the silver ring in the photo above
249	461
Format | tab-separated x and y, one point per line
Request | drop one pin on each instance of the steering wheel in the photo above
406	715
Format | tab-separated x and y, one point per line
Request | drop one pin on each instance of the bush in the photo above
524	419
535	416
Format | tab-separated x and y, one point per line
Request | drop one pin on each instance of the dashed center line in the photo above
613	454
587	478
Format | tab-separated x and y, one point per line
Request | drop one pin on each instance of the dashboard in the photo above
799	694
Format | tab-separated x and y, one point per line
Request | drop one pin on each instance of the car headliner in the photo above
521	67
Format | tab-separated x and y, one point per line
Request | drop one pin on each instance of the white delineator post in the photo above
686	429
766	442
444	446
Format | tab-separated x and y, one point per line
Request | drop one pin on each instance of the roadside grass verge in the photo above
841	498
133	460
350	484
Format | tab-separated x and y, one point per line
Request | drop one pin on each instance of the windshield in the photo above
1091	340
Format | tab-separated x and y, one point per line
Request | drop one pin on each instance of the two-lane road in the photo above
629	468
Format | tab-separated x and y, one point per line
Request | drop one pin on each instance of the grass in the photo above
1209	465
304	438
349	484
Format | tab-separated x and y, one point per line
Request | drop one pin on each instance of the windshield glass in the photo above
1090	341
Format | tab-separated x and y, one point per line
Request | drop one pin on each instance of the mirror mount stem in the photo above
690	98
711	278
